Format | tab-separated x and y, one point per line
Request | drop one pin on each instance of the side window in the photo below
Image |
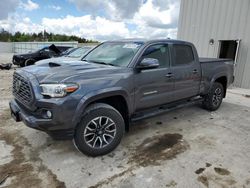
182	54
160	52
52	53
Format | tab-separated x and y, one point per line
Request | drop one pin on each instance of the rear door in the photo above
185	71
153	87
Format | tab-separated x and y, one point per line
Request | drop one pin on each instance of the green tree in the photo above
6	36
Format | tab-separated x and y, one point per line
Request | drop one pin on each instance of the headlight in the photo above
58	90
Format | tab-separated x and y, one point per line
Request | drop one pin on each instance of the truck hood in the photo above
58	60
69	71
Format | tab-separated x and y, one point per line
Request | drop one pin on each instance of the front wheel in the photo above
213	99
22	64
100	130
29	62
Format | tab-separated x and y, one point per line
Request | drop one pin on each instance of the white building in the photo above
219	28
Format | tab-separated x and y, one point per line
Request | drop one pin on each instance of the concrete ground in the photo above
189	147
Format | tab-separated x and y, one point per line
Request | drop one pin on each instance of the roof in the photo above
144	40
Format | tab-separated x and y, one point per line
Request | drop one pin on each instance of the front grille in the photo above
21	89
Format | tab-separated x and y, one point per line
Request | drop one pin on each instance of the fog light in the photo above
49	114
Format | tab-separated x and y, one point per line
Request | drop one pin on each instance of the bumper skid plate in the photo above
15	113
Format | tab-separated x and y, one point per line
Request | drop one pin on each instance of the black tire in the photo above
89	126
29	62
22	64
213	99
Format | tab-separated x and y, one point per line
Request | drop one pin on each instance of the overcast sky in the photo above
93	19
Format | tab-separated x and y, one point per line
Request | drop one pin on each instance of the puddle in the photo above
17	168
215	176
208	164
25	167
171	184
203	180
247	96
151	152
158	148
200	170
221	171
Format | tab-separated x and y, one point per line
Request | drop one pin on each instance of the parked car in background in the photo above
79	52
94	100
74	54
44	53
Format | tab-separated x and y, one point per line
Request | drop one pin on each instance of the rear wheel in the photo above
213	99
100	130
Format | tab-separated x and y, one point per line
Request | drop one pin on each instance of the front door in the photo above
153	87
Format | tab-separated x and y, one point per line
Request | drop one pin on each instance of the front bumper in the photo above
55	127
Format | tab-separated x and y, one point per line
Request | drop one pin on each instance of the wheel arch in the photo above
222	79
29	59
116	98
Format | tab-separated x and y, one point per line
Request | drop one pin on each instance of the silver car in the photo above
75	54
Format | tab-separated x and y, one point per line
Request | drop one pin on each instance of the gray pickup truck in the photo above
94	100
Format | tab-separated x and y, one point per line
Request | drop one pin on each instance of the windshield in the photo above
42	49
79	52
64	53
114	53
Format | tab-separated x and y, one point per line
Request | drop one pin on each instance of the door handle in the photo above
169	75
195	71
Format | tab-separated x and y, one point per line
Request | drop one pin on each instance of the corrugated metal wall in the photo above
202	20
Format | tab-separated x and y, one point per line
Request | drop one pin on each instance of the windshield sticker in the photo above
131	45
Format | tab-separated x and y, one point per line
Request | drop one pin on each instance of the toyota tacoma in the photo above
93	101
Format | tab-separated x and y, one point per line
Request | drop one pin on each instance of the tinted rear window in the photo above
182	54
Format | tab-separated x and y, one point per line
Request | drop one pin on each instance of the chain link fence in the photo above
25	47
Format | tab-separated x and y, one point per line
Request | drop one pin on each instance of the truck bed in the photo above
212	60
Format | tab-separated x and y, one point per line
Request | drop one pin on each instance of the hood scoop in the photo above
53	64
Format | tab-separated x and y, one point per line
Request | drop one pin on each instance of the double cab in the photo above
94	100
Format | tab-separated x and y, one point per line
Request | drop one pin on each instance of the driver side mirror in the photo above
148	63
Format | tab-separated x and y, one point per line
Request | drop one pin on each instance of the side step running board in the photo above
165	108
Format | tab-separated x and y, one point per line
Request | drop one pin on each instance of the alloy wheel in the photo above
217	96
100	132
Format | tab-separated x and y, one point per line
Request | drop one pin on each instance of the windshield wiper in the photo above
99	62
